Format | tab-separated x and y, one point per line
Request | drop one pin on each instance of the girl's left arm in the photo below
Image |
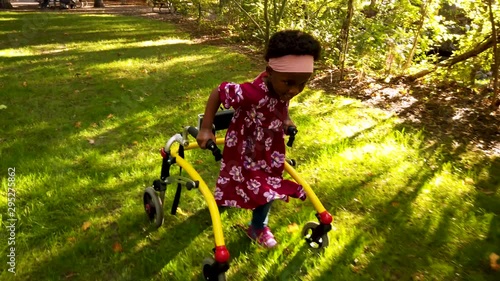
287	122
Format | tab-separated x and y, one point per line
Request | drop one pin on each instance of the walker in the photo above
214	269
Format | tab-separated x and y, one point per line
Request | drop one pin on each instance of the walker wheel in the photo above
208	271
315	243
153	206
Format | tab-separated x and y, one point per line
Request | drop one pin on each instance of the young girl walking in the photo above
251	173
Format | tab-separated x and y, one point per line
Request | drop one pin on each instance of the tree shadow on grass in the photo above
473	257
76	170
132	258
382	241
42	28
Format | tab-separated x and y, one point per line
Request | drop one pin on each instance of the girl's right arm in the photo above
205	131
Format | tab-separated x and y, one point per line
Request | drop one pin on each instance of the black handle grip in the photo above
193	131
291	131
215	150
210	144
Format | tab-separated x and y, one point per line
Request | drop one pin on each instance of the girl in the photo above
251	173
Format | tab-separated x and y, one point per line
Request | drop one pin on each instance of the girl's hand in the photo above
203	136
287	123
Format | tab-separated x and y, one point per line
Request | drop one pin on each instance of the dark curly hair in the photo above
292	42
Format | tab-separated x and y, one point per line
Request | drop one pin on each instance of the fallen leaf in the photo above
117	247
418	276
469	181
86	225
356	269
181	212
110	116
494	261
25	84
395	204
292	228
72	239
70	275
91	141
78	124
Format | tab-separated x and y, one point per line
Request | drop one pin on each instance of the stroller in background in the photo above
62	4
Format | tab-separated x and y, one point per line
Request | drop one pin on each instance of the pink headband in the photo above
292	63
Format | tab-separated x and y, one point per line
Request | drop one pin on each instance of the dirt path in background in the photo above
449	113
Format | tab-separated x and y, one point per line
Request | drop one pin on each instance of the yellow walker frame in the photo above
214	269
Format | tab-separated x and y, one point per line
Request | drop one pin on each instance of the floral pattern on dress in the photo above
252	167
231	138
253	185
277	159
274	182
236	173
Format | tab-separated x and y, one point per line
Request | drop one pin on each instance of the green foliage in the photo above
382	31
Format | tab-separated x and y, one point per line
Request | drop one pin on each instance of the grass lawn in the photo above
91	98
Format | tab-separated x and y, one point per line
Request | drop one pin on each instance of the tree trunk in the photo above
98	4
5	4
344	36
496	97
423	15
251	19
275	11
200	12
281	12
454	60
266	19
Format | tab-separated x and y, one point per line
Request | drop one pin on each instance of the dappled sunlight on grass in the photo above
162	42
138	65
17	52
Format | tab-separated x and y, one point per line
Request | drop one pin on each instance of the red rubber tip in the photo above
221	254
325	218
163	153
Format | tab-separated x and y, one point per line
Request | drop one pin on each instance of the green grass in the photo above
91	98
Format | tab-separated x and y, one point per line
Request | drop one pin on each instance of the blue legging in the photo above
260	215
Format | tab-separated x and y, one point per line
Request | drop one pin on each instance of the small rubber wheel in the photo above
207	271
153	207
307	231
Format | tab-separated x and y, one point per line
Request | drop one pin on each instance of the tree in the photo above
5	4
272	14
344	37
418	33
496	60
453	60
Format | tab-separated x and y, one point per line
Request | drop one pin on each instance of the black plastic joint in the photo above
192	184
159	185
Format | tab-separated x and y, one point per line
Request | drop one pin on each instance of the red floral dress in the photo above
251	172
